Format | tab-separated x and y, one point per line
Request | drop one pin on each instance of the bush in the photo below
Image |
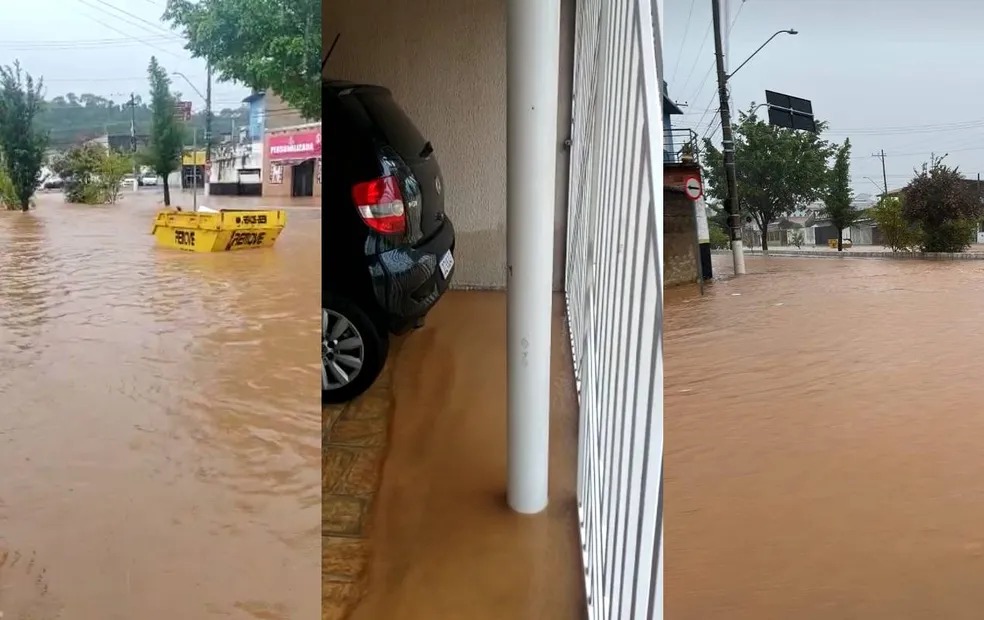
92	174
719	238
900	234
949	236
944	206
798	239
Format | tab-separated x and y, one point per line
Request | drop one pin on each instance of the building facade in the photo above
292	161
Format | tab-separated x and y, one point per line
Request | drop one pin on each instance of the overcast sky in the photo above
898	75
94	46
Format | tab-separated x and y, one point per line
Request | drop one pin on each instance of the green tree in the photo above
944	206
900	234
93	174
262	43
839	195
777	169
22	143
163	154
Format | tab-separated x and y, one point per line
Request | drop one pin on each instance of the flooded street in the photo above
825	442
159	431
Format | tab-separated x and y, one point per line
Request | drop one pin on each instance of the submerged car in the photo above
388	245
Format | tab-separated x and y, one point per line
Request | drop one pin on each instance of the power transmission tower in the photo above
881	156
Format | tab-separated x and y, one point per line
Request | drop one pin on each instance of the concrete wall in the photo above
679	249
445	61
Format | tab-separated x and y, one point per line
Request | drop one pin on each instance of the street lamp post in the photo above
727	137
208	134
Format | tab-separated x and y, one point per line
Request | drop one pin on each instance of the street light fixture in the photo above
190	83
790	31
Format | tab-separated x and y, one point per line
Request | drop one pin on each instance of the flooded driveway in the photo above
159	429
824	439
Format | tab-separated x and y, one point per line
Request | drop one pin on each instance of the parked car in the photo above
148	180
388	245
53	182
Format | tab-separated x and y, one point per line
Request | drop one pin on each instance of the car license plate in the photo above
447	264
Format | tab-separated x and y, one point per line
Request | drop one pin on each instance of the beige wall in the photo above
278	114
445	61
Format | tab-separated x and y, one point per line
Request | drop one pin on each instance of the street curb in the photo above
862	254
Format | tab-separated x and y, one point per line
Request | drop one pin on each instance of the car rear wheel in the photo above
353	350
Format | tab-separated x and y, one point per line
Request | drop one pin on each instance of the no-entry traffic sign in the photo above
692	187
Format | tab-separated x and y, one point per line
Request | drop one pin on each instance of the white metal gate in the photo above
615	303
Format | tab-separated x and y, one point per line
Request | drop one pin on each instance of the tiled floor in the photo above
353	450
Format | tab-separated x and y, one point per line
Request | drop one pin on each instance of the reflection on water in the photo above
159	425
823	442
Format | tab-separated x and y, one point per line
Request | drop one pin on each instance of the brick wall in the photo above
679	249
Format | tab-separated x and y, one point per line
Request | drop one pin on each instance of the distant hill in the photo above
73	118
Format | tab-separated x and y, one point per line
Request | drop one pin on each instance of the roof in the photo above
669	107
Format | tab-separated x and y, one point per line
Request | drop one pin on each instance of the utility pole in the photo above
881	156
133	137
728	142
208	117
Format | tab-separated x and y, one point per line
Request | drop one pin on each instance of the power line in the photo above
83	43
707	75
113	7
683	41
696	58
118	31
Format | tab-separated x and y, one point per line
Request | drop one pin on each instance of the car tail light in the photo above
380	204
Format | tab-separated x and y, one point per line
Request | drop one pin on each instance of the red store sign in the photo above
294	146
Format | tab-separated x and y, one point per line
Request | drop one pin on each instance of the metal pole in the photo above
532	75
133	139
194	169
208	120
884	174
731	202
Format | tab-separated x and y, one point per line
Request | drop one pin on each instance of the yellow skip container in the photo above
218	231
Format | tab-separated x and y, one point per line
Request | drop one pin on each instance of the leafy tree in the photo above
112	168
92	173
22	143
778	170
8	193
839	196
163	154
944	206
262	43
900	234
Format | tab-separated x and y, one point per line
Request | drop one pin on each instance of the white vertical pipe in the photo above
532	68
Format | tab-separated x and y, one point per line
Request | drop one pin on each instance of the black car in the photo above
388	245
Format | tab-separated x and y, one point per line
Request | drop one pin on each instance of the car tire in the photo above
357	337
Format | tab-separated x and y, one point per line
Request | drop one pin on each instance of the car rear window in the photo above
393	123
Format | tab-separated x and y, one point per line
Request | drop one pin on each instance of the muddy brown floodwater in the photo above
824	426
159	429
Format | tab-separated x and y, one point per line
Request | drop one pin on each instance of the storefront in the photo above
292	161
